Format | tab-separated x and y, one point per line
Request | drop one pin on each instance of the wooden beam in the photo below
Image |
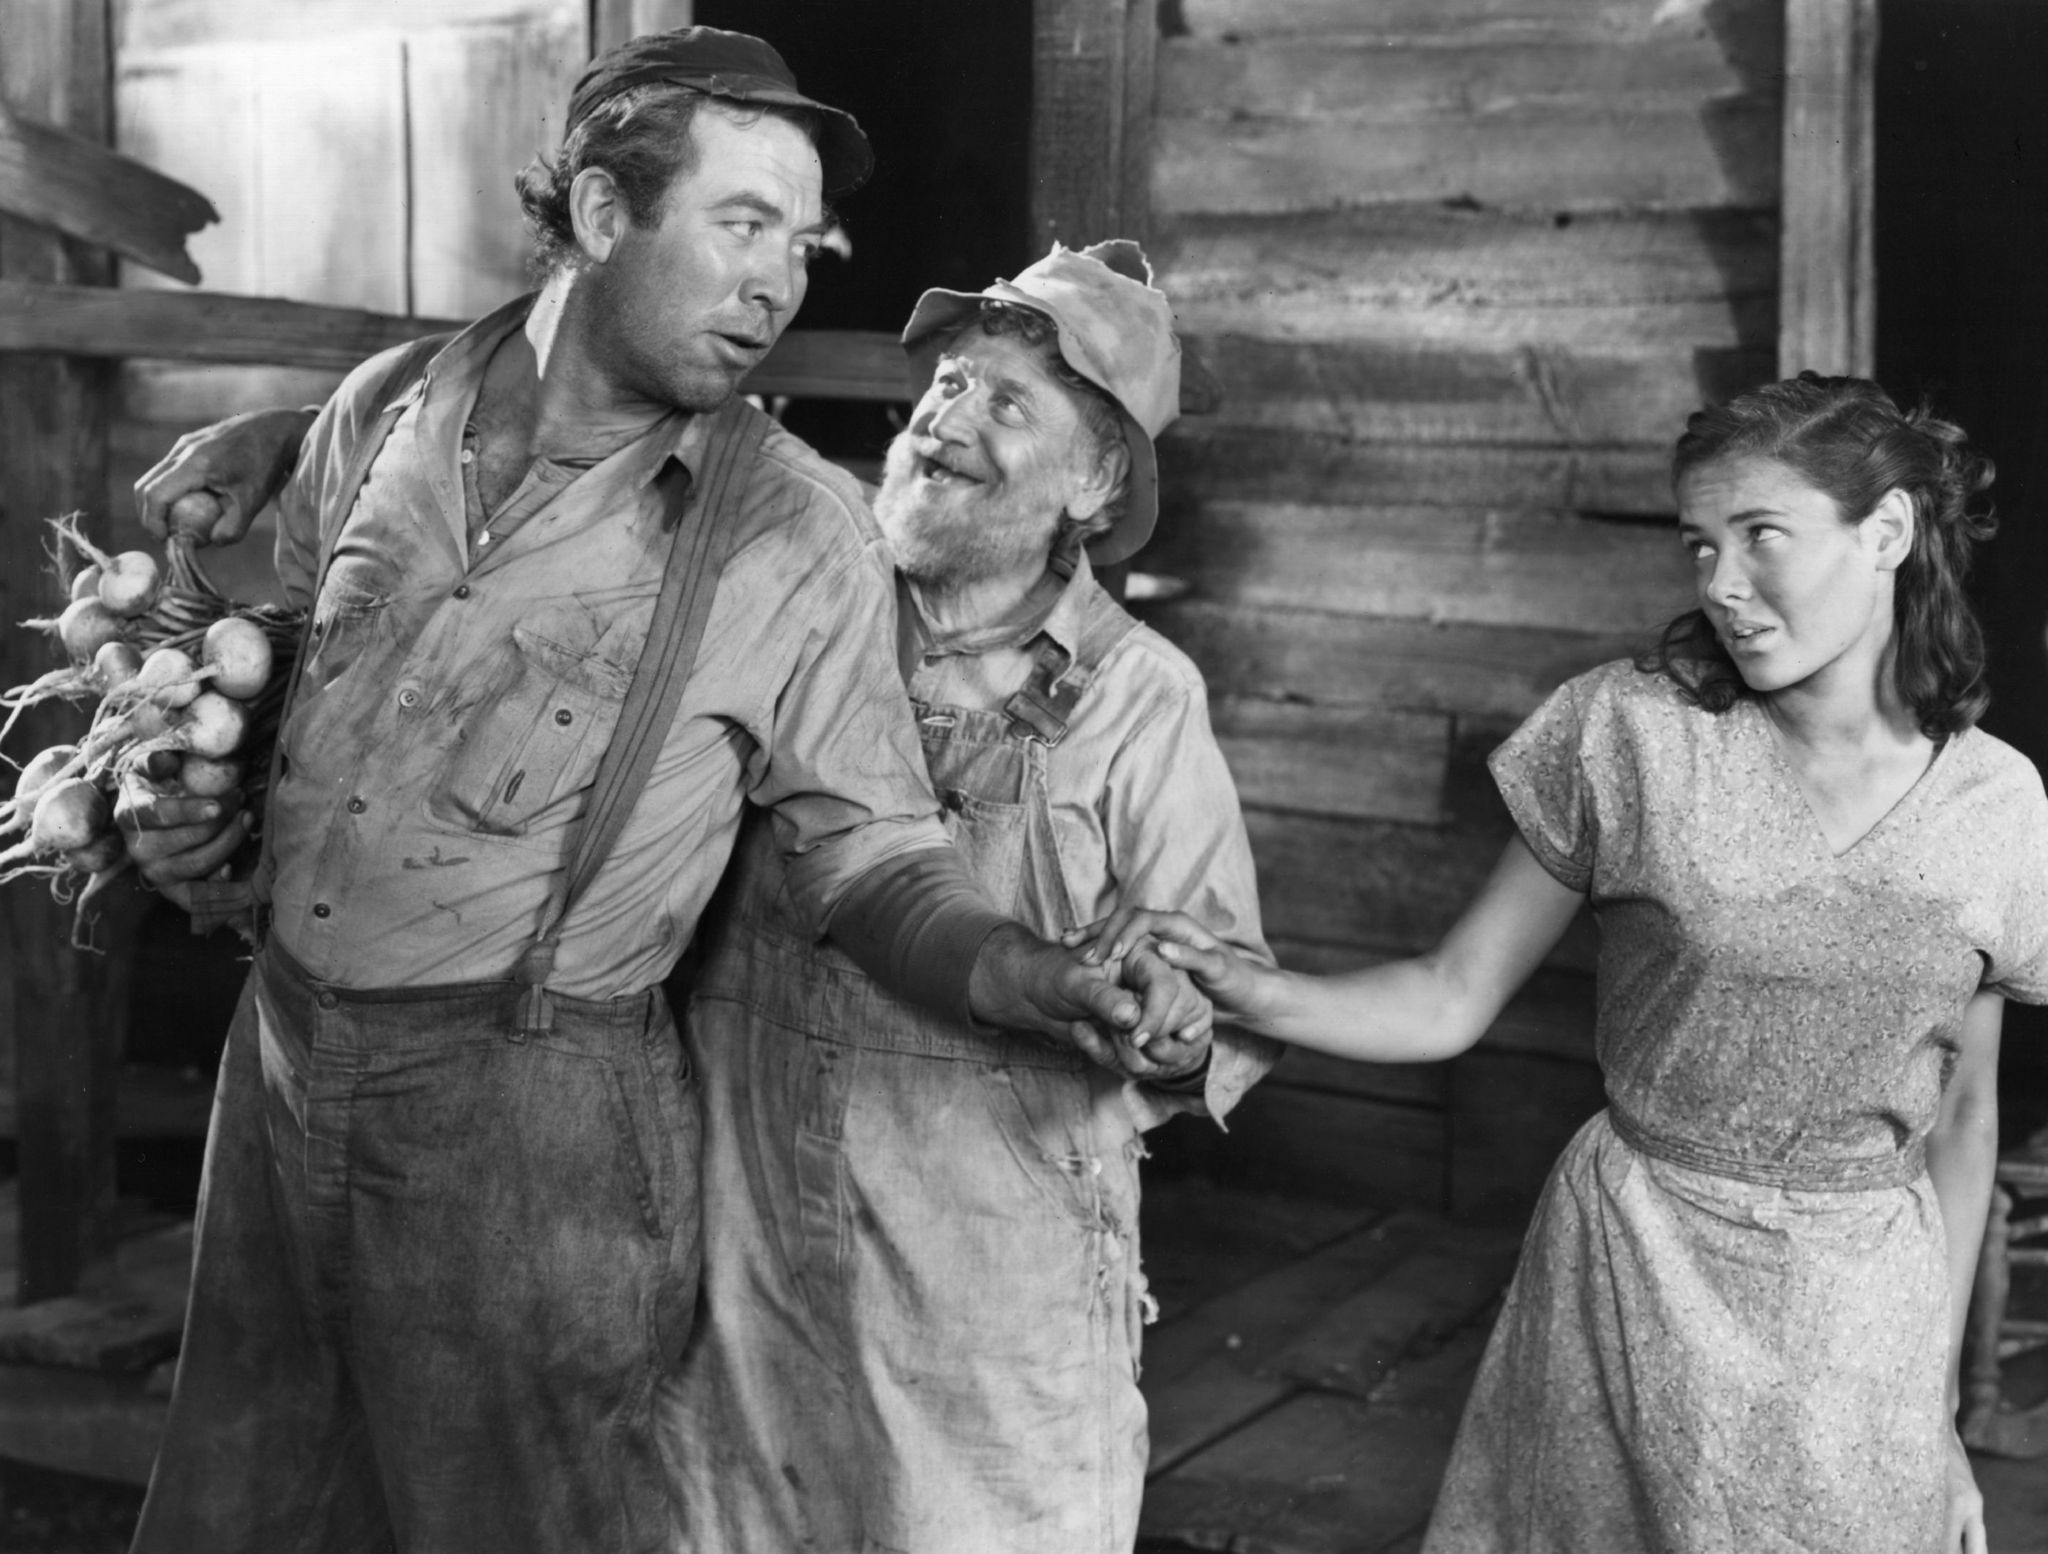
1091	117
613	22
203	326
83	190
1827	272
67	1007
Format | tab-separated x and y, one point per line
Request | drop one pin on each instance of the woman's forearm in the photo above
1402	1012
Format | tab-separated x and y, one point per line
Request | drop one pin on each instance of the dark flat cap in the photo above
734	66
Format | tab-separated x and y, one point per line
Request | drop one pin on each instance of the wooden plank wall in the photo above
1462	268
359	153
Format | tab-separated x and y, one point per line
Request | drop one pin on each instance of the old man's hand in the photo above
1171	1038
214	481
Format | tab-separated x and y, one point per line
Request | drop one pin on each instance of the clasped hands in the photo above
1135	1014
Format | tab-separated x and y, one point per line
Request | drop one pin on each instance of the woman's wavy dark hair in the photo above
1845	437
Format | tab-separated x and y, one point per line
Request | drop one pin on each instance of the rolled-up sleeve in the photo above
844	777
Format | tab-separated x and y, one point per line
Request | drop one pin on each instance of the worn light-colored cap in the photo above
1115	329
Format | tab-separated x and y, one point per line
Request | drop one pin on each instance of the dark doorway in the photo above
944	93
1962	316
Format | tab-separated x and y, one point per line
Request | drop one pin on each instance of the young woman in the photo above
1736	1320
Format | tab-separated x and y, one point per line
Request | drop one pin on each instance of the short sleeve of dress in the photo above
1544	773
2019	968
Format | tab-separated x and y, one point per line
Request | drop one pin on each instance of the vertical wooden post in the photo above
65	1014
1827	284
613	22
1091	120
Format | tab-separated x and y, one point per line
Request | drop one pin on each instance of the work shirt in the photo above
1144	808
459	695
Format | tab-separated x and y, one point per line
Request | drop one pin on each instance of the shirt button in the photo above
328	1000
469	455
408	697
462	590
564	716
356	806
322	909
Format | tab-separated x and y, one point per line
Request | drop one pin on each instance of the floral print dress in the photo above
1729	1329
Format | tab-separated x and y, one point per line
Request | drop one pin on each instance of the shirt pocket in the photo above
535	745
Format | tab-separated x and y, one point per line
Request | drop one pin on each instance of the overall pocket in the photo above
536	744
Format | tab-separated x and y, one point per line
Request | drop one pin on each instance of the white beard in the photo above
948	544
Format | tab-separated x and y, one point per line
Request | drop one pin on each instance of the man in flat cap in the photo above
922	1295
448	1236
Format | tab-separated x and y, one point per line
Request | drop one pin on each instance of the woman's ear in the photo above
1891	525
597	214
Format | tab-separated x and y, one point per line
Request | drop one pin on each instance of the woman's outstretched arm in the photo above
1407	1011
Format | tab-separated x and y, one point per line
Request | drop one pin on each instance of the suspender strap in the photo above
215	903
702	532
1044	707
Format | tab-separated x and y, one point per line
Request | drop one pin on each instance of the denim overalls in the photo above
922	1292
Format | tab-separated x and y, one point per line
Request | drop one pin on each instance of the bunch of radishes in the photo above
190	688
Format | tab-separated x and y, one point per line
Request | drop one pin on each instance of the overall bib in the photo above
922	1289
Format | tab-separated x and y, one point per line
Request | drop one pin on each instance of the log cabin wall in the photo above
360	153
1462	268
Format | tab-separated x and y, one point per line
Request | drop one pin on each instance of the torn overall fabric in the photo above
923	1298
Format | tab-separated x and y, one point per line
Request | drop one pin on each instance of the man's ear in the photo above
597	213
1891	526
1099	478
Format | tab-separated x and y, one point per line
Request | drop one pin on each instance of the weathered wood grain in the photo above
1262	650
86	191
1337	1148
1827	311
63	1020
1616	21
193	116
212	327
481	101
1364	762
1420	389
197	326
186	395
1202	1242
1382	81
1208	1372
1083	68
1439	1287
1493	567
171	24
331	172
1510	1114
1379	885
1561	160
1206	461
1319	1474
1434	258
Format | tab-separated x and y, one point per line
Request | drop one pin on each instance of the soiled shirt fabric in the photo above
459	695
1729	1330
